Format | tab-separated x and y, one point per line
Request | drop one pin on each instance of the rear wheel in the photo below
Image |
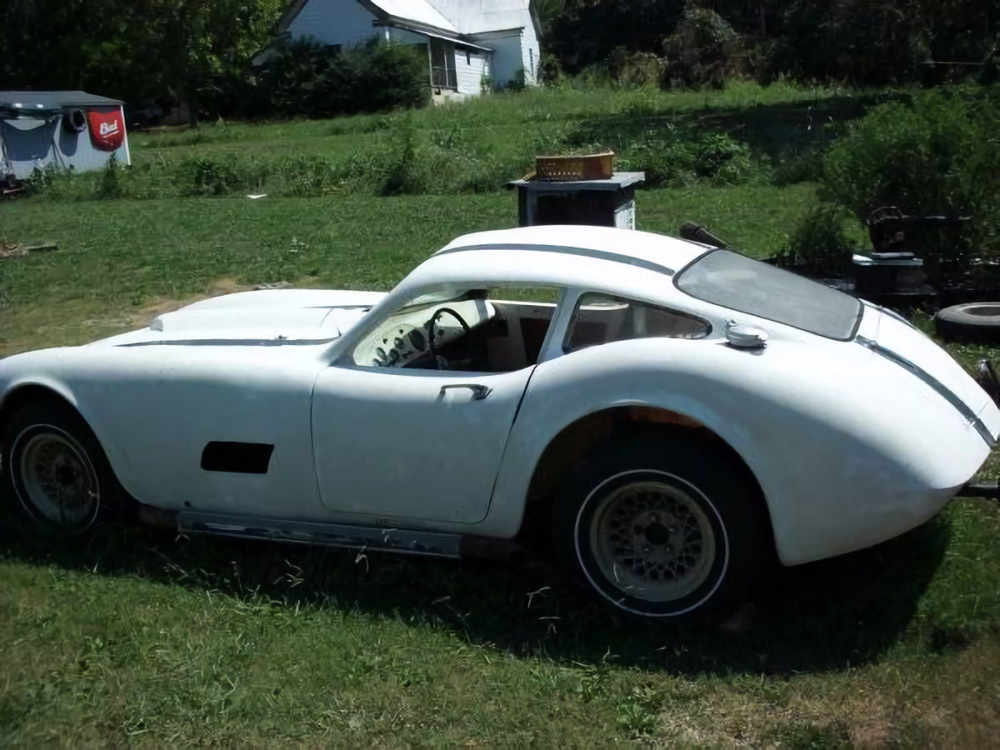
663	527
55	473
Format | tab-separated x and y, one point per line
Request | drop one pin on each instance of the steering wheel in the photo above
432	335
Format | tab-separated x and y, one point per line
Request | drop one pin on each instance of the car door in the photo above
393	442
421	444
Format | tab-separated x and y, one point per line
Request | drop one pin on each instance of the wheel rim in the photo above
653	541
58	480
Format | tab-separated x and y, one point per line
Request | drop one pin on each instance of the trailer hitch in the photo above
990	489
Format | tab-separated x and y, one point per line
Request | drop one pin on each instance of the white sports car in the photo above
671	414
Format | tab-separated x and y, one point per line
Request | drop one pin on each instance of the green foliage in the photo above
727	137
819	242
108	186
854	41
937	155
884	43
307	77
670	155
700	51
406	177
132	49
630	69
802	735
208	176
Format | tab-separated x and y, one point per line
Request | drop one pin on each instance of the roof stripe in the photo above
576	251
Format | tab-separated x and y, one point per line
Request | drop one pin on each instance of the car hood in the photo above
269	317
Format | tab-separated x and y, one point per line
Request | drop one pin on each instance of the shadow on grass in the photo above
775	131
819	617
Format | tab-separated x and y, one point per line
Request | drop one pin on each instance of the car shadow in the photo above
839	613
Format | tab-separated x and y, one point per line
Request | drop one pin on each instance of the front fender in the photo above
848	450
33	370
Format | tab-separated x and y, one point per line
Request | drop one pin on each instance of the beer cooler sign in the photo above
59	130
107	129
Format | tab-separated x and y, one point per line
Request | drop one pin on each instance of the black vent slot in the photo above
237	458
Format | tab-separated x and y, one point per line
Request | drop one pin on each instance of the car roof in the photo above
654	252
625	263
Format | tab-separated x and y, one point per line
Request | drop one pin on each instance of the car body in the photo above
321	415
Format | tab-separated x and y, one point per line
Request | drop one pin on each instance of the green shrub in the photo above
407	175
108	186
631	69
701	50
208	176
675	157
309	78
937	155
819	242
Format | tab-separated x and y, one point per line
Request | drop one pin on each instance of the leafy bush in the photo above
675	157
108	186
938	155
208	176
700	51
631	69
819	242
310	78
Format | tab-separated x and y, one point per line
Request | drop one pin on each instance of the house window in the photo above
531	57
443	73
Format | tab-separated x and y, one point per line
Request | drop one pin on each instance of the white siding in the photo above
531	53
508	58
343	22
471	68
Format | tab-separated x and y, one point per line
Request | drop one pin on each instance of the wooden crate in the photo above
568	168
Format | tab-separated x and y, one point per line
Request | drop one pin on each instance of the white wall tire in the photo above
55	473
661	527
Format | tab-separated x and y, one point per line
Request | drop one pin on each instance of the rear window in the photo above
749	286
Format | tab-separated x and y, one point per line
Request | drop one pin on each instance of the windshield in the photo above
739	283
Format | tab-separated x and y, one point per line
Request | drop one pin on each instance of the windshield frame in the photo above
679	276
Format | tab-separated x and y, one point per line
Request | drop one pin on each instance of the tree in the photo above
131	49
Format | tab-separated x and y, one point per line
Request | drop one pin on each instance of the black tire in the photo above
74	121
977	321
736	544
47	443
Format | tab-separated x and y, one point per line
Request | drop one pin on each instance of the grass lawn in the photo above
119	260
141	638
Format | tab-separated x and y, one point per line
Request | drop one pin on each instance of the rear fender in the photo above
843	445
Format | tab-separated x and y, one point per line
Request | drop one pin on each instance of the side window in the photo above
601	319
479	330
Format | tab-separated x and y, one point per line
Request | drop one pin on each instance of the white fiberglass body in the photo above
852	438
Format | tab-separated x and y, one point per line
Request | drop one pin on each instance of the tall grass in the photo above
678	139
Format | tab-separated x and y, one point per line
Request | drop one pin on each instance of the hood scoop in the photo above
242	326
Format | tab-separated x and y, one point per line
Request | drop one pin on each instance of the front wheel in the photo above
55	471
663	527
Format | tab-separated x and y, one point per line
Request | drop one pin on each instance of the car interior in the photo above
492	331
473	332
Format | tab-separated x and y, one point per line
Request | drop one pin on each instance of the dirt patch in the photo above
793	716
967	711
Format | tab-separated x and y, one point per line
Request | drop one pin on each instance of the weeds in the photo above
678	139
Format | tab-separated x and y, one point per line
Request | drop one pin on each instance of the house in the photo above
470	43
59	129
